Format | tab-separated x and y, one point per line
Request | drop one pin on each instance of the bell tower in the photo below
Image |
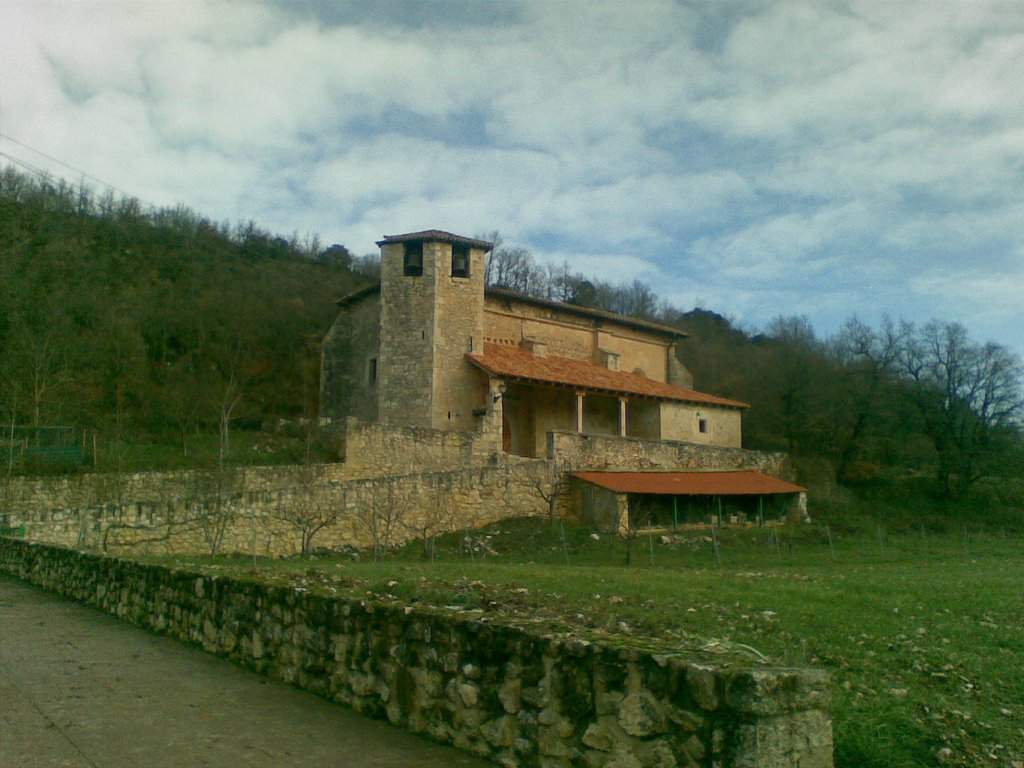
432	309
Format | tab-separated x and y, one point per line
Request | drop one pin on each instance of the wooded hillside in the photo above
162	328
154	326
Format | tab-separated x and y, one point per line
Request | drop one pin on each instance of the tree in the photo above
380	522
868	364
304	506
968	396
214	504
552	484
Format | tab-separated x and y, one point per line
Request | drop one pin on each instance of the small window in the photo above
702	425
460	260
413	262
371	371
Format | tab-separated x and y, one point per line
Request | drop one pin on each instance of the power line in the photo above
45	175
66	165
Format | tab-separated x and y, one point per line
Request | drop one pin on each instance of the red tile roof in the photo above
510	362
436	236
741	483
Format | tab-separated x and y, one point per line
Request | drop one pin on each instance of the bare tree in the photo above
428	519
869	359
305	506
968	396
552	484
380	523
214	504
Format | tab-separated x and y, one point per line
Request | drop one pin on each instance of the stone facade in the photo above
350	363
501	690
374	450
428	323
412	352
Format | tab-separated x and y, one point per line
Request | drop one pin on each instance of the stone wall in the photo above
681	422
508	693
350	361
598	452
380	511
382	449
19	495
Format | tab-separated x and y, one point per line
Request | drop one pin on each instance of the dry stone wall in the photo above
508	693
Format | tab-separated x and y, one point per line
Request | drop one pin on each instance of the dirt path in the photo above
79	688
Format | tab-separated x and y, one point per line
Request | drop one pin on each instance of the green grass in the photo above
923	633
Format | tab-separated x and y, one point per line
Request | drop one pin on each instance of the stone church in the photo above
431	346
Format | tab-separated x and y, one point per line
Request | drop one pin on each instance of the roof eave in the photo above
475	360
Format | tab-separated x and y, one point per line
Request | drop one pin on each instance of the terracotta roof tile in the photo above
740	483
513	363
436	236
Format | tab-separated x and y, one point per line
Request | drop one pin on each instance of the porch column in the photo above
579	412
622	417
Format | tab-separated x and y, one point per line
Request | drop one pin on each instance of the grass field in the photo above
923	633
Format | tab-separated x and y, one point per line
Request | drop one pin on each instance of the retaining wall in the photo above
381	511
497	689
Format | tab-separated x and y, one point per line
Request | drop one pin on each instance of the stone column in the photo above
622	417
579	412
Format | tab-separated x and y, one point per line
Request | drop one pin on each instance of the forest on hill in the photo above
162	334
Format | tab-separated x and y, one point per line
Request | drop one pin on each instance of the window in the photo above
413	261
371	371
460	260
702	426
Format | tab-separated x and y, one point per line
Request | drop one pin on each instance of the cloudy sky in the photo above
754	158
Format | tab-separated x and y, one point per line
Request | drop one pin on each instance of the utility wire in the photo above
66	165
46	176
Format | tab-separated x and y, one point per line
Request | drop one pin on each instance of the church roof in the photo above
435	236
510	362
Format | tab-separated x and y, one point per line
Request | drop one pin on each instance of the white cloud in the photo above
774	157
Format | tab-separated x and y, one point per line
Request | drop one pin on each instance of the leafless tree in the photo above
869	358
305	506
552	485
214	504
426	520
380	523
968	396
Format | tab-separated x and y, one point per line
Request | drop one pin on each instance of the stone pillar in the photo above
579	412
622	417
490	441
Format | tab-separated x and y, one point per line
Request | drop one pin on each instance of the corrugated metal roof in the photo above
733	483
511	362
